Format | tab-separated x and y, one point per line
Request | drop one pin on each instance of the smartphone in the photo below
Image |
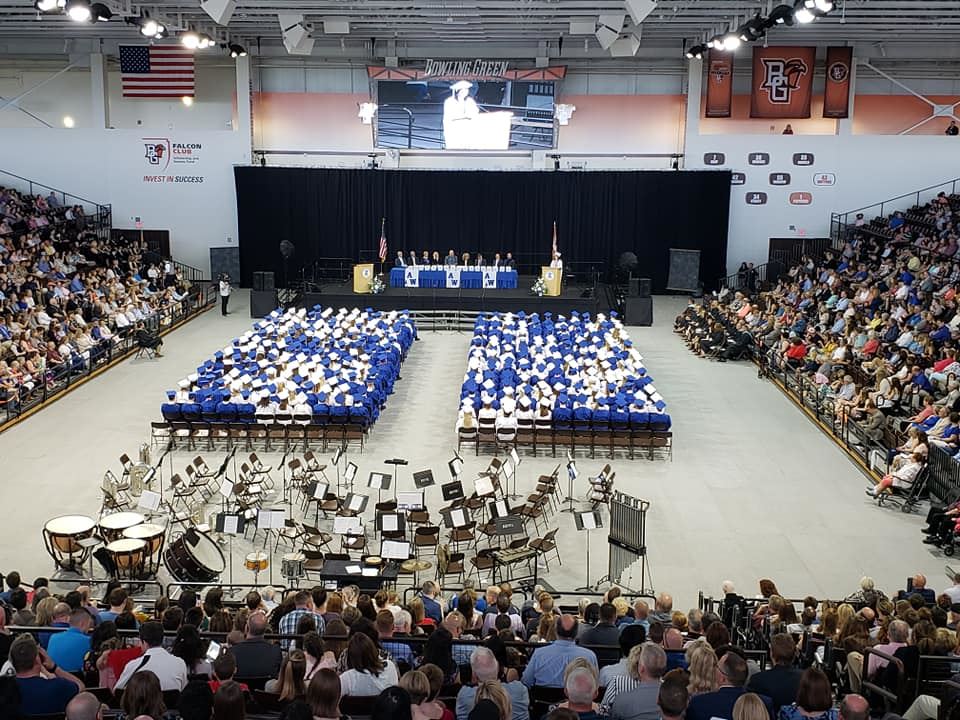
213	650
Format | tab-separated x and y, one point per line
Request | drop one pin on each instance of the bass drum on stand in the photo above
194	557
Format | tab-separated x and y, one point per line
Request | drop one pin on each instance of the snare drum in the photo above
256	562
153	536
194	557
113	525
128	556
292	565
62	535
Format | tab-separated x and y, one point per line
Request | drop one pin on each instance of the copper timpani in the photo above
128	556
153	536
113	525
62	536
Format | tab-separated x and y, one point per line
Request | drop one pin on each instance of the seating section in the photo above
319	367
541	382
68	298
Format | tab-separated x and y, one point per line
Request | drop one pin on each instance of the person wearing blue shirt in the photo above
732	675
40	694
13	582
67	649
548	662
431	607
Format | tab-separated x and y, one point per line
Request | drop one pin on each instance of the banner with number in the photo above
782	83
836	89
719	84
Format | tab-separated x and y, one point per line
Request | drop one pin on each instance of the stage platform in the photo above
471	301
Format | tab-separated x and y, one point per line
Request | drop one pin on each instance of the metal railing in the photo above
97	215
62	378
840	222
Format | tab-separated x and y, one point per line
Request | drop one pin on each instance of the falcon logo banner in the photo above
782	84
836	89
719	84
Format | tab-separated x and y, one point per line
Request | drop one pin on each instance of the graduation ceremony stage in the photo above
442	299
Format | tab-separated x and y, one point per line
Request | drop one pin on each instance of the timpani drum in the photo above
62	535
153	536
291	565
128	555
256	562
194	557
113	525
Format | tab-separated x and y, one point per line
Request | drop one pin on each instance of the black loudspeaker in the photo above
645	287
639	311
263	281
634	290
262	302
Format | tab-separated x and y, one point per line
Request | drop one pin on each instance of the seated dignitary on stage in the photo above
341	365
580	370
450	259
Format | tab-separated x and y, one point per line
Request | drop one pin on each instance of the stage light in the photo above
100	13
46	6
367	111
68	121
149	27
824	6
237	50
190	40
802	13
753	29
731	42
78	10
782	15
187	100
205	42
696	52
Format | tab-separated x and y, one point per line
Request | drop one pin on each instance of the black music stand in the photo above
455	465
317	490
230	524
396	462
410	501
484	486
452	491
571	476
390	522
379	482
454	518
508	525
423	479
349	473
513	463
356	503
499	508
586	521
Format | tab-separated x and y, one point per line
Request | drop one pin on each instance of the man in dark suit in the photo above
604	632
399	261
510	262
780	682
918	586
255	656
731	678
413	259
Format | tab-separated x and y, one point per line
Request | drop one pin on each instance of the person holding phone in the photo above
224	293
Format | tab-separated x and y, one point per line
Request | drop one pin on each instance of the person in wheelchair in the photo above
902	478
148	340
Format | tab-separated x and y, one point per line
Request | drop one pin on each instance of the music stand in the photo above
454	518
356	503
230	524
408	501
423	479
483	486
571	476
391	522
452	491
317	490
396	462
512	466
508	525
499	508
455	465
395	549
586	521
348	475
379	482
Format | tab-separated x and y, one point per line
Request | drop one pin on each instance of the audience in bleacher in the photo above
317	366
404	677
66	294
563	373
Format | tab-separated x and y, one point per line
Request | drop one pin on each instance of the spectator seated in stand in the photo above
331	367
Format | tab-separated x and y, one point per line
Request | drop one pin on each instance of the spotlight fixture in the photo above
205	42
47	6
68	121
782	15
696	52
753	29
149	27
731	42
187	100
100	13
824	6
190	40
802	13
78	10
237	50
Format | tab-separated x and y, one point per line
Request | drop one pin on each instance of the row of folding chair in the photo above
280	437
650	443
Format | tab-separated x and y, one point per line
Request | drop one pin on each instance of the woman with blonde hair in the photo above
492	690
289	685
423	707
702	665
844	612
546	629
679	620
749	706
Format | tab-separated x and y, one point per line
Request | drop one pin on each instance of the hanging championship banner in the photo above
719	84
782	83
836	89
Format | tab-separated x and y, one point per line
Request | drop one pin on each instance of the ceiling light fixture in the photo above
696	52
68	121
782	15
187	100
824	6
802	13
100	13
731	42
78	10
753	29
46	6
237	50
190	40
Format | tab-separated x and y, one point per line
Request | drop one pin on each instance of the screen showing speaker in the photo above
465	115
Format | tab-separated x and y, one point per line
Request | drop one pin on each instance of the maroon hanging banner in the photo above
719	84
836	89
782	84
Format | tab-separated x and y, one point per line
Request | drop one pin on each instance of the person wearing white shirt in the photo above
557	261
367	673
224	293
121	321
169	669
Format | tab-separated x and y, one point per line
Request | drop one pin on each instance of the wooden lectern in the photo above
551	277
362	277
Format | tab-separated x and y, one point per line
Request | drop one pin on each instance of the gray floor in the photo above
754	489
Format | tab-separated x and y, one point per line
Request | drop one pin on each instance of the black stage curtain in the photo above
336	213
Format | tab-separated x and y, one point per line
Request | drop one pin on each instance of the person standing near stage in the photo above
557	261
224	292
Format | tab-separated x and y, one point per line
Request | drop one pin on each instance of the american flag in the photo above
383	240
157	71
